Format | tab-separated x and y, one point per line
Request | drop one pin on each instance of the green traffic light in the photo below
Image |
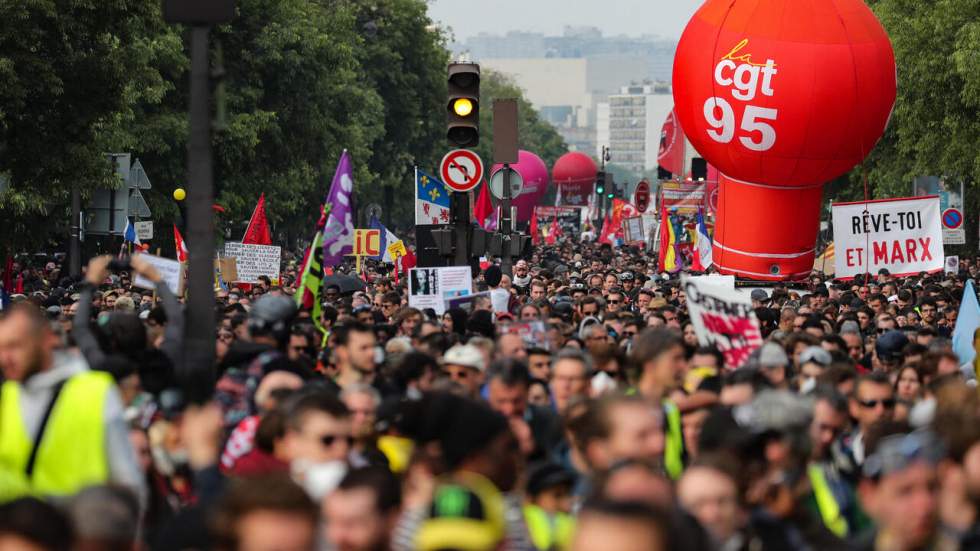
599	190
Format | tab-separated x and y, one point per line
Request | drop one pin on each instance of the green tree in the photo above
403	58
935	127
64	73
534	134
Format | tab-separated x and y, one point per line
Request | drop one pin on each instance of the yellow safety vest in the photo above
548	532
71	454
674	445
826	502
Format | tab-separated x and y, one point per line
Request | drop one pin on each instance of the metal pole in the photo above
75	248
461	221
506	223
199	336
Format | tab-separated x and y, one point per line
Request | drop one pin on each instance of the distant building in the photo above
636	116
567	77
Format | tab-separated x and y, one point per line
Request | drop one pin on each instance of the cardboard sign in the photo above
367	242
723	317
432	287
633	229
397	249
170	270
253	261
903	236
952	265
144	230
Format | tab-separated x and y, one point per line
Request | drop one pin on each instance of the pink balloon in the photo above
535	175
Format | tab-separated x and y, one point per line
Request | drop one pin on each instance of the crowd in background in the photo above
571	407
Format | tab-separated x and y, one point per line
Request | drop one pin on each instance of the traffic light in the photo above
611	192
463	105
600	183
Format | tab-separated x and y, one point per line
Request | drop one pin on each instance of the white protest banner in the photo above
723	317
432	287
170	271
903	236
253	261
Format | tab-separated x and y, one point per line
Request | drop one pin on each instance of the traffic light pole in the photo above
199	333
461	221
506	224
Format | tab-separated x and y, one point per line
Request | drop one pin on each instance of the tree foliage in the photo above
302	81
935	127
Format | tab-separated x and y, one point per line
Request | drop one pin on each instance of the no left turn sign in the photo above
461	170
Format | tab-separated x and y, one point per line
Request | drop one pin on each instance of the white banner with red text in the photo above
903	236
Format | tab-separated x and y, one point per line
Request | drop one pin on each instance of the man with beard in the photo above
354	345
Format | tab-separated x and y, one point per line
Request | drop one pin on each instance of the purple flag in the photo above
338	234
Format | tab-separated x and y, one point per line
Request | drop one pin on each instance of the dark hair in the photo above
269	493
341	333
875	378
36	521
711	350
509	372
653	342
315	400
383	484
829	394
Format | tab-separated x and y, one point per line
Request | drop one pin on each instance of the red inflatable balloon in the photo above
575	172
784	92
781	97
535	174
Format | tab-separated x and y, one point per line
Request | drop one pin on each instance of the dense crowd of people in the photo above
571	407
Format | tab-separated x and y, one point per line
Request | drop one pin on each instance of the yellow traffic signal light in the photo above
463	105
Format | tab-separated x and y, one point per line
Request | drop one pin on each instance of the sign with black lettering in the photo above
903	236
723	317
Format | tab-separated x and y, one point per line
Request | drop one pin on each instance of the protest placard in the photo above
432	287
723	317
367	242
685	197
170	271
253	261
633	230
903	236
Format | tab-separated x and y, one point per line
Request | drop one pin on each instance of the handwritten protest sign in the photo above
253	261
723	317
904	236
170	271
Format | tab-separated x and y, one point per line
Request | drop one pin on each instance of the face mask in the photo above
318	479
809	384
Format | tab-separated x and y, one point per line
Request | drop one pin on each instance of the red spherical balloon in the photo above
575	172
535	175
781	92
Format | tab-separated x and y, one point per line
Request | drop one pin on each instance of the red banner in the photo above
672	144
686	197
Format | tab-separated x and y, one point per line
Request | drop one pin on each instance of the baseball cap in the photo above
760	295
467	517
771	354
465	355
889	346
816	355
899	451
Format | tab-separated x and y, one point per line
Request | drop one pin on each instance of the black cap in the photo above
890	345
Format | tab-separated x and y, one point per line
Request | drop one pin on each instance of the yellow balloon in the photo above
179	194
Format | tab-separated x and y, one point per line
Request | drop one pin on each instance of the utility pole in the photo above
199	332
198	371
505	152
75	248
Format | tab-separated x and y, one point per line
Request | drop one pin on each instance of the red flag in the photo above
8	274
258	227
553	231
407	261
672	144
535	236
605	235
179	244
483	209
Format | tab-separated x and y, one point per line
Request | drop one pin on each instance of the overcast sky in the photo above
632	17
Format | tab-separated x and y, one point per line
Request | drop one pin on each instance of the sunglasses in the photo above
887	403
614	302
328	440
